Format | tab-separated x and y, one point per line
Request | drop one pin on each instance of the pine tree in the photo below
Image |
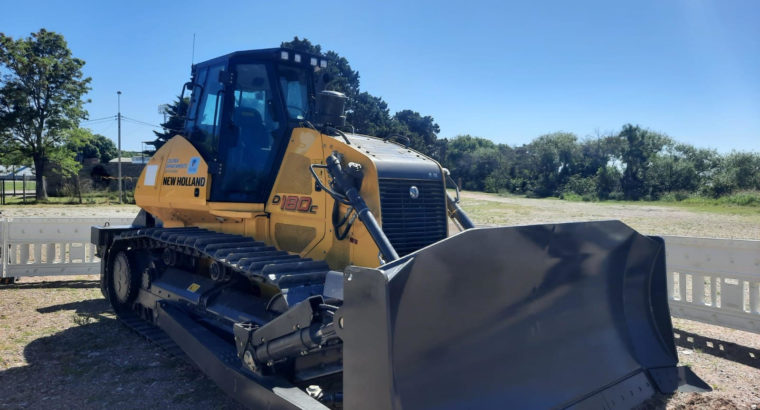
173	125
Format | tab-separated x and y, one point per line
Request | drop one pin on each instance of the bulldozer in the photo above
302	265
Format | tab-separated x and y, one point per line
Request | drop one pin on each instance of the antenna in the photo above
192	59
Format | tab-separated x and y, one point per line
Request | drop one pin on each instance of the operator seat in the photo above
251	131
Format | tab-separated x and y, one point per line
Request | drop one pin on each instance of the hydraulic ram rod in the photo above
345	185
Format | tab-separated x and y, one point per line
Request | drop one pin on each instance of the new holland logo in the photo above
185	181
414	192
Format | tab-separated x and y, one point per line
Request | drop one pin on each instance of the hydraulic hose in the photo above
346	186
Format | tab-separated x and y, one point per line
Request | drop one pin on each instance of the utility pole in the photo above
118	93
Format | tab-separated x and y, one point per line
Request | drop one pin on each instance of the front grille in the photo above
411	224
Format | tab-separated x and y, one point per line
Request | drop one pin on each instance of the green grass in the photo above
30	186
484	212
740	203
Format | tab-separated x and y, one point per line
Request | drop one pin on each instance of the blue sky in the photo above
506	71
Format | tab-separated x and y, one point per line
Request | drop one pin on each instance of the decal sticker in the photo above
295	203
150	175
193	287
173	165
192	168
185	181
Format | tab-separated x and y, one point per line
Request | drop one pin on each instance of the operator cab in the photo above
242	110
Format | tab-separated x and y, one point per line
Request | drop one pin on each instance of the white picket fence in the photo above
716	281
50	246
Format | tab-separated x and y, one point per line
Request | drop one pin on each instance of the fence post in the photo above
4	246
23	187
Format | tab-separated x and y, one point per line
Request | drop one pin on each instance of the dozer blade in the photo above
542	316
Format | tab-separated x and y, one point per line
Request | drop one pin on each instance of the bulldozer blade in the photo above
544	316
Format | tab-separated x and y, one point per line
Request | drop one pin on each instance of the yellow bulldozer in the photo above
300	265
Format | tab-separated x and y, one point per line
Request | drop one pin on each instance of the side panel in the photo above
301	216
297	212
174	184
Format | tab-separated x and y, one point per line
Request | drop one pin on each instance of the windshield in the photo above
295	91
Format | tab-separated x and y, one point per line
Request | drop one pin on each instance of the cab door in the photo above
251	136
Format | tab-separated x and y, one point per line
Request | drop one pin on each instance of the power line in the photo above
103	130
111	117
97	122
141	122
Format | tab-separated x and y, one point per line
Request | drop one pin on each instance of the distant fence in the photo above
50	246
17	187
715	281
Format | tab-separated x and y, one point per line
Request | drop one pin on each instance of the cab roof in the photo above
272	54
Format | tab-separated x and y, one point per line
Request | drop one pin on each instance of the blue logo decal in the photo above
193	167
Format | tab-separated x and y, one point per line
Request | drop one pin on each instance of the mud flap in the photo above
544	316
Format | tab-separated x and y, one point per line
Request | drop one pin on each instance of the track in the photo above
194	328
235	254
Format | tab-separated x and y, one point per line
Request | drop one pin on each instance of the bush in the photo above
676	196
745	198
571	196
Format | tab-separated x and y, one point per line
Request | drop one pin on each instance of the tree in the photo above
639	146
366	113
341	76
84	144
370	116
421	131
40	96
555	157
173	125
472	160
607	181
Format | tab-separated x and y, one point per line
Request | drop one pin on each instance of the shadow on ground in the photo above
99	363
720	348
91	307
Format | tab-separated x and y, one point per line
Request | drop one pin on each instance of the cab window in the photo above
207	116
295	91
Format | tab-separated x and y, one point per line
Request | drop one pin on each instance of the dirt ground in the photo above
61	346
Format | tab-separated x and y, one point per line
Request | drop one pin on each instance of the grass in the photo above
740	203
484	212
30	185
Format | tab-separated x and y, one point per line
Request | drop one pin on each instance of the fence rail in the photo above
50	246
715	281
15	186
